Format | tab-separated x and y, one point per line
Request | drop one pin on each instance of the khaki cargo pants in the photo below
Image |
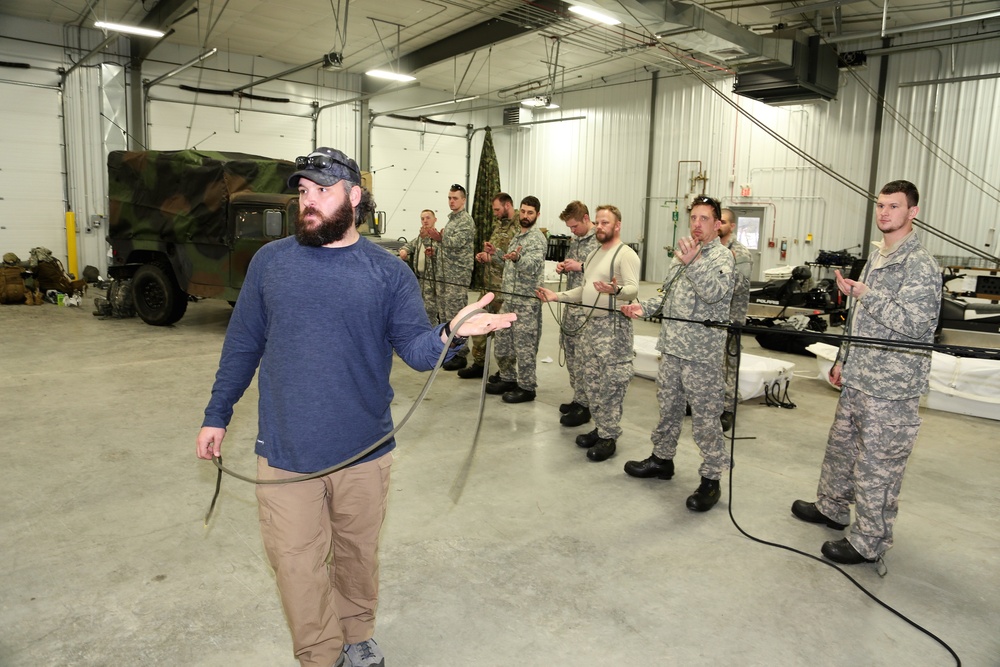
321	538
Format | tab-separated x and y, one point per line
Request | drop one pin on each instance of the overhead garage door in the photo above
414	171
32	193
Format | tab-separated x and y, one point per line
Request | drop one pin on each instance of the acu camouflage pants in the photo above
451	299
866	453
571	339
606	353
678	382
520	341
506	364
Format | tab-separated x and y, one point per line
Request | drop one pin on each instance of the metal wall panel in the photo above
959	194
696	123
600	159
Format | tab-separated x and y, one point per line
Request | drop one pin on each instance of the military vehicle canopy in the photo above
182	196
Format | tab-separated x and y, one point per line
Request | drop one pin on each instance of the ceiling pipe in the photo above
916	27
208	54
297	68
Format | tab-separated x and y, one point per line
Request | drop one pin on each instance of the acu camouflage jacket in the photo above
522	277
902	304
702	291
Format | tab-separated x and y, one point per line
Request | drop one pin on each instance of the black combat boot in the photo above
843	552
500	386
569	407
455	363
705	496
518	395
473	371
806	511
587	440
654	466
602	450
576	417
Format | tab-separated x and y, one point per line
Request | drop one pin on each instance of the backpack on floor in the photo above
49	272
11	283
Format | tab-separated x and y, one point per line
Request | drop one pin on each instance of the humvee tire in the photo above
158	300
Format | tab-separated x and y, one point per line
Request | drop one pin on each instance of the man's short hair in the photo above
504	199
427	210
575	210
704	200
907	188
458	187
533	202
612	209
729	211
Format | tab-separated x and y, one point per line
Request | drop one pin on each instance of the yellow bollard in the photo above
71	244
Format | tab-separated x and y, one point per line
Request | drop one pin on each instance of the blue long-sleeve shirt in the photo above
322	324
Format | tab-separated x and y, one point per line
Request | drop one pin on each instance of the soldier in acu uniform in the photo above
583	242
424	265
524	269
455	265
699	286
875	427
605	348
504	229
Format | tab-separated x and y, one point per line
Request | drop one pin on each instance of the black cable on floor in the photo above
884	605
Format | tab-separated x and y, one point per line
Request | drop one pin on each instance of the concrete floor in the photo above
546	558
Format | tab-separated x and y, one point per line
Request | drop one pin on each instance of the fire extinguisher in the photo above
784	249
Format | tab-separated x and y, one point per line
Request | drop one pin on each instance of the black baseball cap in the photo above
325	166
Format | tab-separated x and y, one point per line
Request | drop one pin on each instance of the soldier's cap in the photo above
325	166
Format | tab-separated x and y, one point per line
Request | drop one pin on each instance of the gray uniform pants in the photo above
866	453
571	339
700	384
607	352
451	299
520	341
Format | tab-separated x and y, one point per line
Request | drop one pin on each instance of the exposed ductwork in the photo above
691	27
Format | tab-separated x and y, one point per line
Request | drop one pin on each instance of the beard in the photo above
603	237
329	229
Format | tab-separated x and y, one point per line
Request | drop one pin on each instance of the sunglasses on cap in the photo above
703	199
319	161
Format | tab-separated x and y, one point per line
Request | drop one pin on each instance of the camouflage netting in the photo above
180	196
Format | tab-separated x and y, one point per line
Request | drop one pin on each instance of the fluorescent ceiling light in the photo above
129	29
391	76
536	102
594	15
551	105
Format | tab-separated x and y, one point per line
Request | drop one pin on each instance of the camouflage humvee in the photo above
188	222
